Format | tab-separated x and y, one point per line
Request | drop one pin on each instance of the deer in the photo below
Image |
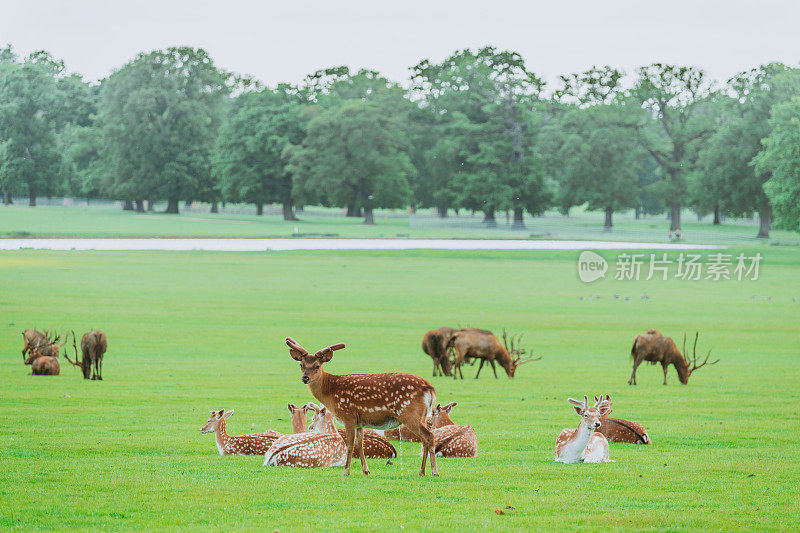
375	445
584	444
452	440
377	401
93	345
618	430
250	444
653	347
299	417
45	366
44	346
31	338
434	343
404	434
484	345
320	446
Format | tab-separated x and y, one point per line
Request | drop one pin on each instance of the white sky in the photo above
283	41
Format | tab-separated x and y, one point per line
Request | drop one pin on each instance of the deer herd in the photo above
42	350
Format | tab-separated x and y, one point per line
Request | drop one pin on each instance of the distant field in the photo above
97	221
189	332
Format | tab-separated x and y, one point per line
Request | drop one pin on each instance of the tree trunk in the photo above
128	205
609	223
489	220
139	206
717	220
368	216
214	207
353	211
151	205
519	221
259	208
442	211
7	199
172	206
288	214
637	213
32	199
765	216
675	217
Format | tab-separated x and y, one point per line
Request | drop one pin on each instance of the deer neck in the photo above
683	369
298	423
221	437
443	420
322	387
579	440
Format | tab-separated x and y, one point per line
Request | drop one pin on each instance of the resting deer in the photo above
404	434
584	443
320	446
618	430
45	366
453	440
299	417
484	345
44	346
378	401
251	444
434	343
656	348
375	445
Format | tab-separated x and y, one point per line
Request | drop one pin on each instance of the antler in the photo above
75	347
294	345
705	362
582	404
331	348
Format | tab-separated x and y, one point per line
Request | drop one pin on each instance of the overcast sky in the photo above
283	41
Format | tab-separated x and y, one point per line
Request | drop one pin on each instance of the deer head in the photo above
691	364
516	353
214	418
607	399
311	365
322	421
590	415
438	411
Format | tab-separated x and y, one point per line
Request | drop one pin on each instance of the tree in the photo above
249	159
678	117
353	154
160	115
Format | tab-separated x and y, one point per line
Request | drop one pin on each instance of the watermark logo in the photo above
591	267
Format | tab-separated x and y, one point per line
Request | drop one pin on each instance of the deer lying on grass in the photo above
320	446
375	445
43	346
618	430
45	366
434	343
584	443
93	345
299	417
251	444
653	347
378	401
452	440
404	434
481	344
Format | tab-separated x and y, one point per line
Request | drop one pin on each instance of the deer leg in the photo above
665	368
360	447
494	369
350	434
636	363
479	368
100	370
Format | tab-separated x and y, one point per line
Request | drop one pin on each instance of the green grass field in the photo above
189	332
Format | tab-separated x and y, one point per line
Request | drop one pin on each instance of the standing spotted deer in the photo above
584	444
379	401
320	446
653	347
251	444
618	430
452	440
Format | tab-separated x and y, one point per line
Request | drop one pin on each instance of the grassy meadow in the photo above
190	332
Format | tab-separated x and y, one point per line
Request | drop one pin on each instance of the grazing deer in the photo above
584	443
251	444
656	348
45	366
31	338
453	440
618	430
320	446
375	445
93	345
44	346
299	418
481	344
404	434
378	401
434	343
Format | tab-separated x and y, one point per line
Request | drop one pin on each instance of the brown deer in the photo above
320	446
404	434
378	401
618	430
434	343
452	440
93	345
375	445
31	338
653	347
251	444
584	444
45	366
44	346
481	344
299	417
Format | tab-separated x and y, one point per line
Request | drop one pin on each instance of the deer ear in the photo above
227	414
578	410
291	407
220	413
297	356
325	356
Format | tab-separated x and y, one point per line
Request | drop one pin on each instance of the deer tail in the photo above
633	348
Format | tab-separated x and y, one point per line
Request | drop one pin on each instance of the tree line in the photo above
477	131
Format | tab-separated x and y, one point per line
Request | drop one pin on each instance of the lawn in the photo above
190	332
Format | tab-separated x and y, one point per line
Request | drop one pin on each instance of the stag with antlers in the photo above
378	401
471	343
40	344
653	347
93	346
